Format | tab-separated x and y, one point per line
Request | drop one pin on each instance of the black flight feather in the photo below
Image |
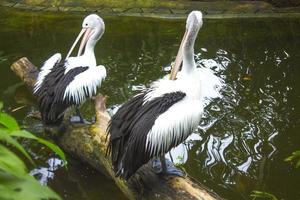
128	131
51	92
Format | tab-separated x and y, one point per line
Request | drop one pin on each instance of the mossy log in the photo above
88	143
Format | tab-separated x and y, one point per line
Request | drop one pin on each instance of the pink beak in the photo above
87	33
178	60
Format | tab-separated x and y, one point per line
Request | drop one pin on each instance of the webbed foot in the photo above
165	166
79	120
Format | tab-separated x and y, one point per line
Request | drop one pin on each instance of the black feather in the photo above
128	131
51	92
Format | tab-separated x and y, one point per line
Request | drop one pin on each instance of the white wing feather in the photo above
173	126
46	69
88	81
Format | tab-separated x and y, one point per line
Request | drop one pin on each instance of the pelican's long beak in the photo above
87	33
84	40
179	58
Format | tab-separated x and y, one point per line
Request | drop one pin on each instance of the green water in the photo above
243	137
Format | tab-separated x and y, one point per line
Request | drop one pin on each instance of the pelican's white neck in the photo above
91	43
89	48
188	63
89	55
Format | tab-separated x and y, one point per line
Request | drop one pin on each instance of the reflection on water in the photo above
242	127
250	75
44	174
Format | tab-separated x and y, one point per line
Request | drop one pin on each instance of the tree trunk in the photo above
88	143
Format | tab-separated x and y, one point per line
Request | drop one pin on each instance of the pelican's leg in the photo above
79	114
162	165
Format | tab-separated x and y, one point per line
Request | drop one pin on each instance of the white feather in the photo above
81	61
180	119
175	124
46	69
190	85
210	83
88	80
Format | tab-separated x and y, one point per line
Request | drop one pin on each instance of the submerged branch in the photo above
88	143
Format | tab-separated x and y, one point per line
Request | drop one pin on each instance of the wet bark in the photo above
88	143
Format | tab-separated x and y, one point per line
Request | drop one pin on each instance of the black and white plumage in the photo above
161	117
61	84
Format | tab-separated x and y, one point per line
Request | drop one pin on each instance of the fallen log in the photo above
88	143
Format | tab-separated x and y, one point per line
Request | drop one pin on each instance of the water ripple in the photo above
237	131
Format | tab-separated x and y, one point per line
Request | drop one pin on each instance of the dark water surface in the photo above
244	136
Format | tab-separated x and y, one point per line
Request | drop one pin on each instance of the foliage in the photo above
15	182
295	157
262	195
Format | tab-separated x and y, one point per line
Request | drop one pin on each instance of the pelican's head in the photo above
92	29
193	24
194	21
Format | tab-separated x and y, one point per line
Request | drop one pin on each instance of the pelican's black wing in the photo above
129	127
50	95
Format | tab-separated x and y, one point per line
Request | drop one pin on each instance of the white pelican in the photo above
61	84
161	117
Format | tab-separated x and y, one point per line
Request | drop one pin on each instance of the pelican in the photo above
161	117
69	82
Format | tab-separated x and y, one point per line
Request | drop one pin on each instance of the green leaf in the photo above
25	188
298	164
9	122
7	138
265	195
10	163
23	134
288	159
295	157
1	105
15	182
53	147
